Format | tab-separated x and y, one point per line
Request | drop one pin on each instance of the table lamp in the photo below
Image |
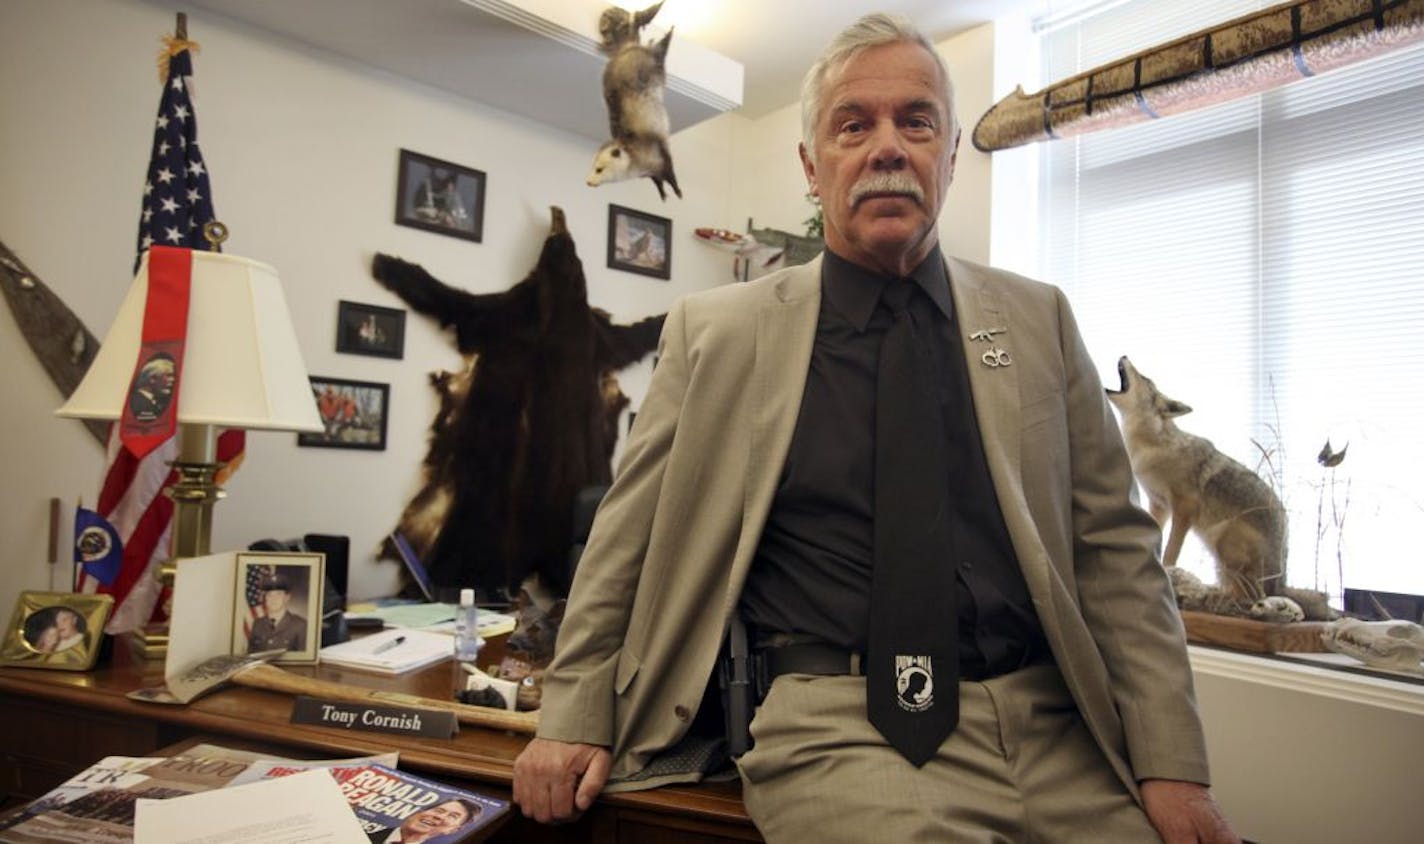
241	368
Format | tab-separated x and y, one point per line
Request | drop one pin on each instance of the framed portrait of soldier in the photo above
278	600
62	630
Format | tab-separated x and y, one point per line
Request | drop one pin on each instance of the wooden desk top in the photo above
478	755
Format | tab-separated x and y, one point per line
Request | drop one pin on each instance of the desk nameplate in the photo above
379	719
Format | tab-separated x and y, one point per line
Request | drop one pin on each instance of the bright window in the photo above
1263	261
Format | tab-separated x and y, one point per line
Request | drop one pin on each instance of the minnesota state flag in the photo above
97	546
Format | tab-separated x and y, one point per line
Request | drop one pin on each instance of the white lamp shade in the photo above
242	366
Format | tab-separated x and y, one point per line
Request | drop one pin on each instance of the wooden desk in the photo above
56	723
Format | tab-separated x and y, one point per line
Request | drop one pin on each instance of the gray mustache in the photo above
882	183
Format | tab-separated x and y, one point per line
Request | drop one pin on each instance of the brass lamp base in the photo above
193	493
150	641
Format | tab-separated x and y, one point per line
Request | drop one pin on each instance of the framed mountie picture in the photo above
278	605
639	243
56	630
353	414
370	330
440	196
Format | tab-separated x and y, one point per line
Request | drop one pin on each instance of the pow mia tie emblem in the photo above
914	683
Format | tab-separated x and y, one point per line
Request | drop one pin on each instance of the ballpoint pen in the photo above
382	648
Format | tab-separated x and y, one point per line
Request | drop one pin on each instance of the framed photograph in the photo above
639	243
440	196
353	414
56	630
370	330
278	605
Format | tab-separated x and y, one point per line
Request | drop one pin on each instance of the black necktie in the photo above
912	690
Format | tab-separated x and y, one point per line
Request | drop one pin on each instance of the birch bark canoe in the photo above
1247	55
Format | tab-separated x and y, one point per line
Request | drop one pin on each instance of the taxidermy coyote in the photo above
1235	513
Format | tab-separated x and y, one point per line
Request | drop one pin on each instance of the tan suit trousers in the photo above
1020	767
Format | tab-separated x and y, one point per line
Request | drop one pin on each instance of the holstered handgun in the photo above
735	674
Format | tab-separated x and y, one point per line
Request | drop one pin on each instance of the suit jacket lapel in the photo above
988	341
785	335
994	384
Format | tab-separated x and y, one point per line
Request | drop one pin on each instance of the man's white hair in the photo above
873	30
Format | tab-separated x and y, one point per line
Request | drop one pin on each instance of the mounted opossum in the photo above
633	83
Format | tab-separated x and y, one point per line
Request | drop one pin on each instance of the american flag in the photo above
256	609
177	203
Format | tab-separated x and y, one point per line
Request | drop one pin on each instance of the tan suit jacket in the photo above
676	534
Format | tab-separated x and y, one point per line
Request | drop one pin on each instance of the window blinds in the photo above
1263	261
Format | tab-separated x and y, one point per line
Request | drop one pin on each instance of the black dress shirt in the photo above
810	579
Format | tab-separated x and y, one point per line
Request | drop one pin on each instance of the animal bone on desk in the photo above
272	678
251	670
1395	645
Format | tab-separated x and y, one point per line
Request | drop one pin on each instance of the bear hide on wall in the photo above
531	420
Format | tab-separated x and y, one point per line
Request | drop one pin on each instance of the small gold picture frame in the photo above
61	630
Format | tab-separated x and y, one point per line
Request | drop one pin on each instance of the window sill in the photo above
1314	674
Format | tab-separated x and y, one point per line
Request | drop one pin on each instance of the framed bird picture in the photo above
639	242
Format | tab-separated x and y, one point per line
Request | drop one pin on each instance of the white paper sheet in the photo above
204	593
305	808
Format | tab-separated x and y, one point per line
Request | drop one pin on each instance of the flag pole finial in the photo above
215	232
173	45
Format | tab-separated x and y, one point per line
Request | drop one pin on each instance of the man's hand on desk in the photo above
558	781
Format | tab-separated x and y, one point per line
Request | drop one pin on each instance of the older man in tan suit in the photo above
747	487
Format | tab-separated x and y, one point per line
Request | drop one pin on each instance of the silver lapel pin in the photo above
995	357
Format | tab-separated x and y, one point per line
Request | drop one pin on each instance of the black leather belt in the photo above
807	658
814	658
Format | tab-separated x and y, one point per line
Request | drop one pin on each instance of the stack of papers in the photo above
438	617
405	614
391	651
491	624
304	807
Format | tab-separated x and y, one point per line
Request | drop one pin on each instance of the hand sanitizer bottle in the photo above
467	630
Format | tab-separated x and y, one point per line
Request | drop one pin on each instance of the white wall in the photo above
768	185
964	224
302	147
1306	755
